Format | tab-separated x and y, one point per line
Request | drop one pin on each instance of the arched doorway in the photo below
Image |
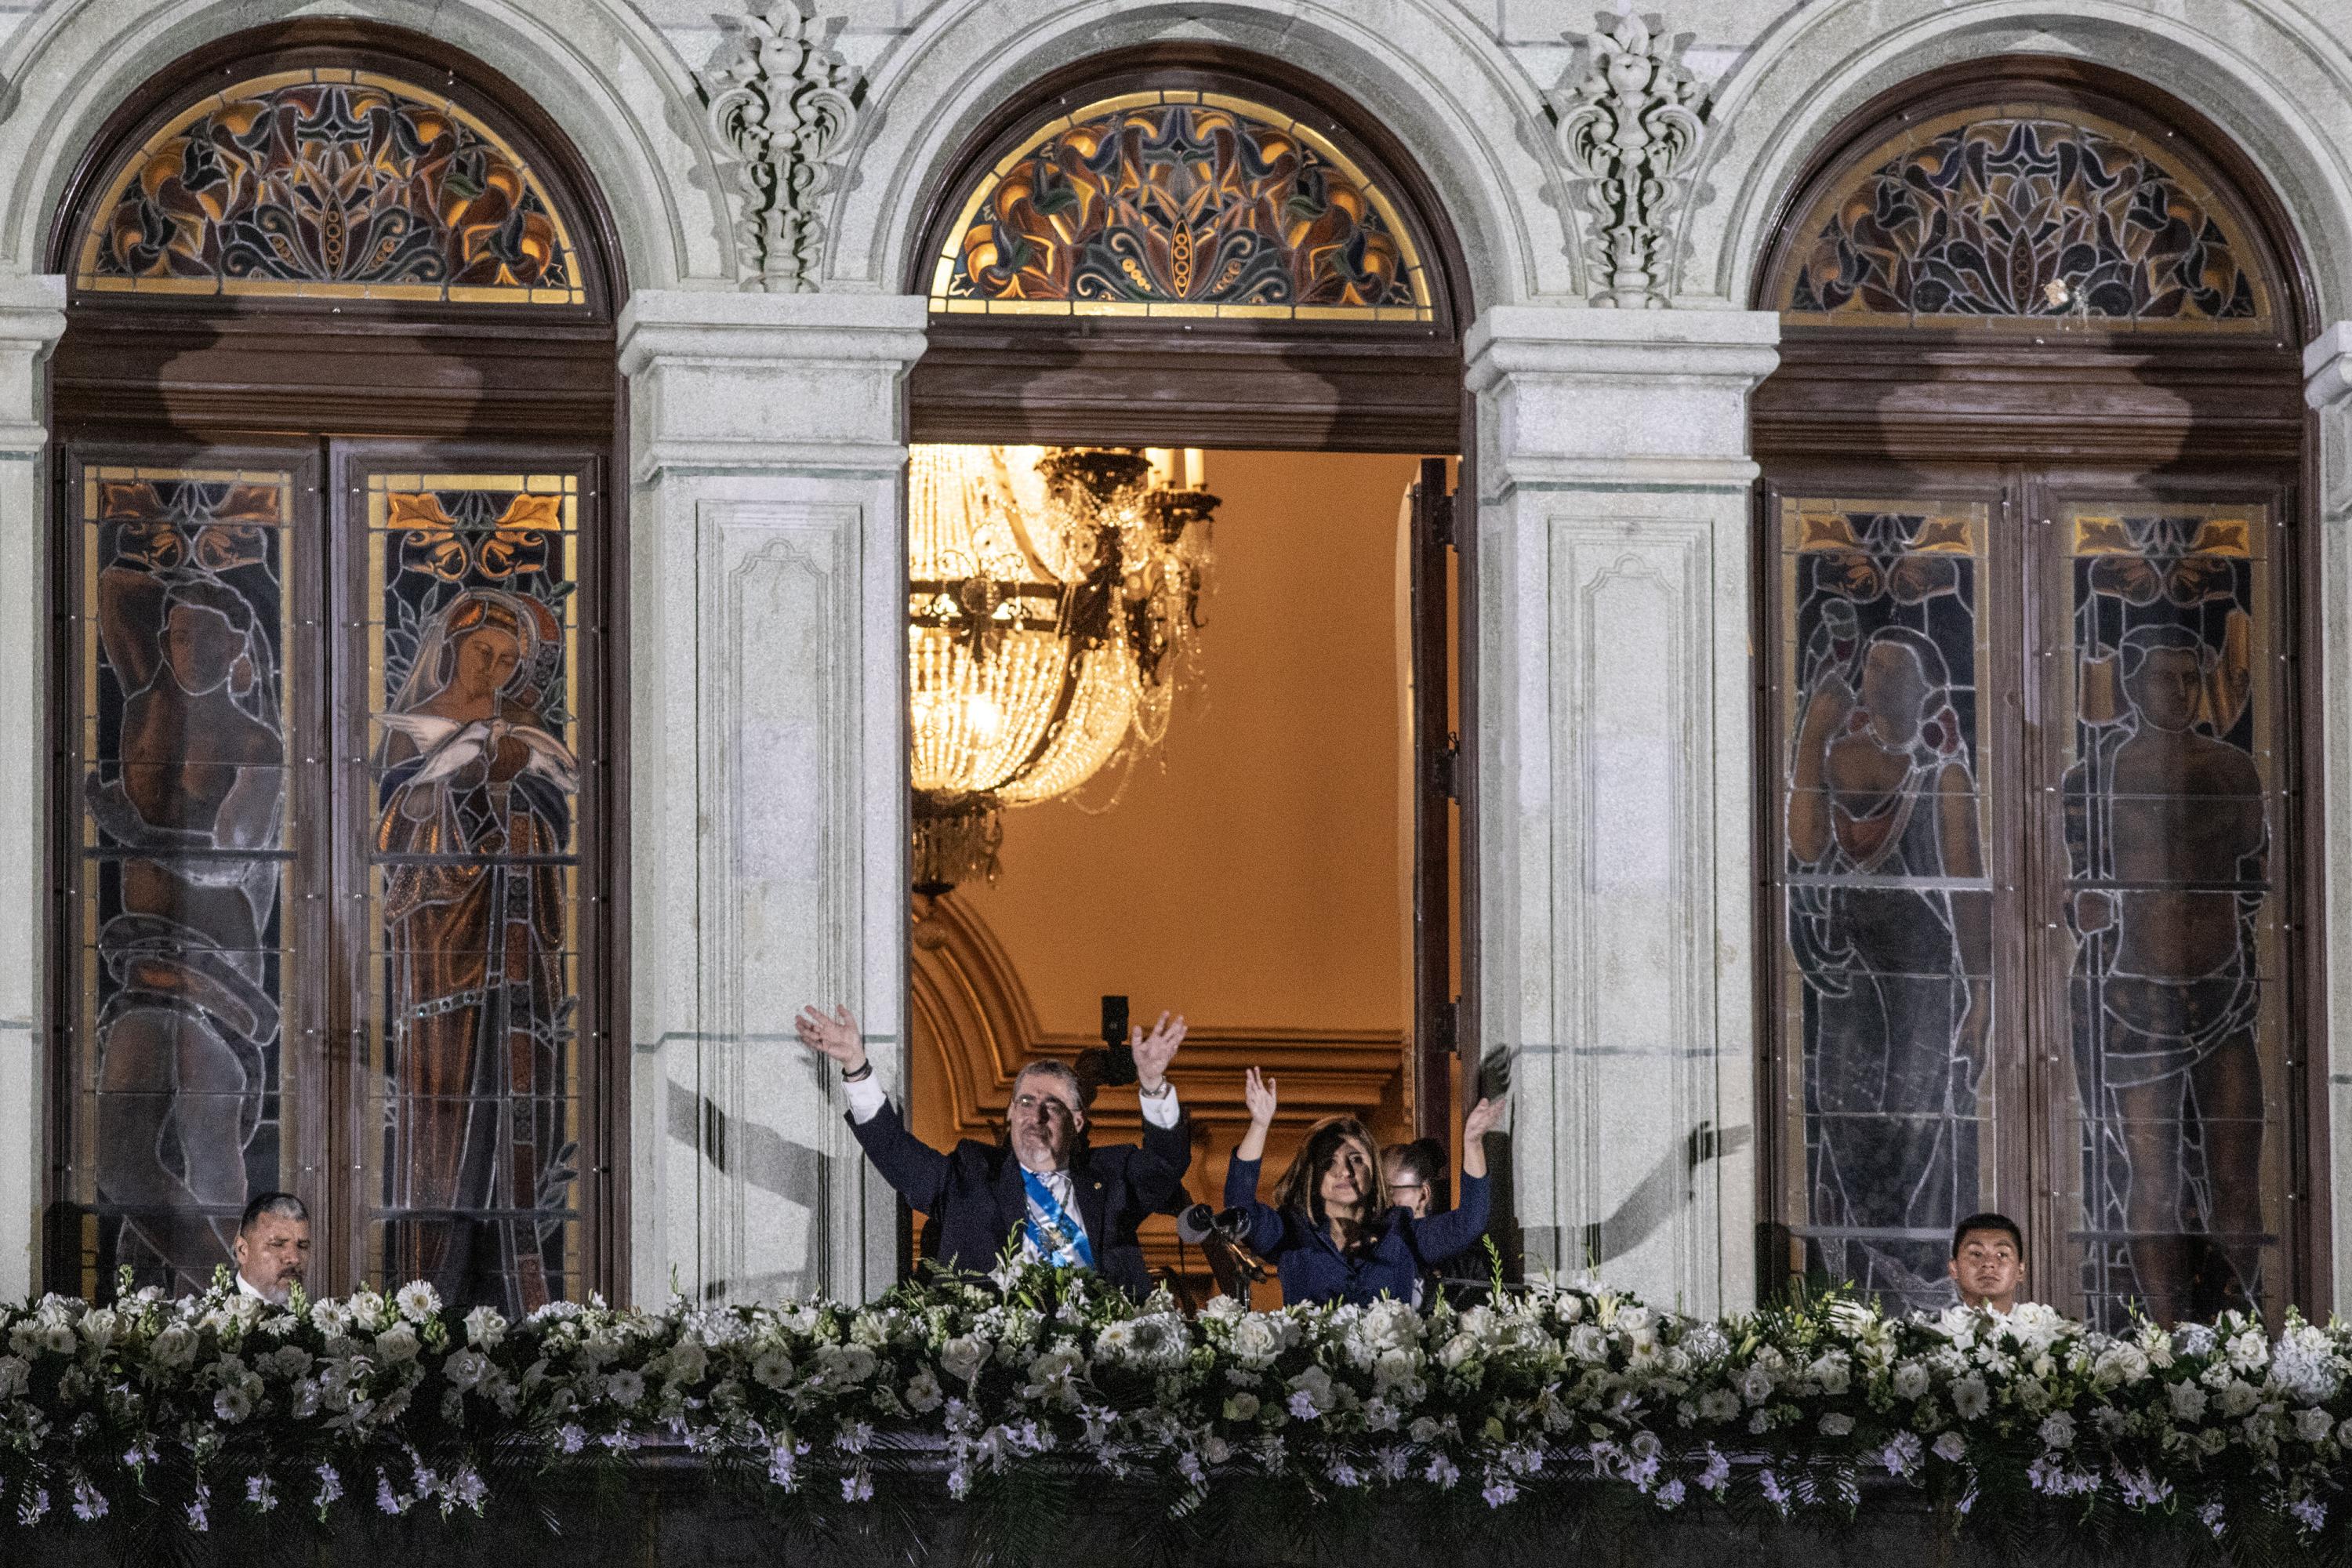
2035	882
335	409
1180	247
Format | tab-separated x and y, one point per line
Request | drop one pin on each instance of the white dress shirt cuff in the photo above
866	1099
1161	1113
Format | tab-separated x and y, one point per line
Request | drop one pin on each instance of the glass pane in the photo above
182	643
1886	901
2174	1005
471	1113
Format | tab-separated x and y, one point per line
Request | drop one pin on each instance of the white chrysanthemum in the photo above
230	1404
416	1300
1971	1397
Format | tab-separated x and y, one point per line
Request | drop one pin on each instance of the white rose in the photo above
485	1328
174	1347
1951	1448
466	1368
2188	1401
1254	1341
2313	1424
963	1357
1836	1424
397	1345
2058	1431
1910	1380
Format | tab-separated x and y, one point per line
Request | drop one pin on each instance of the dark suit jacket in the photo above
975	1196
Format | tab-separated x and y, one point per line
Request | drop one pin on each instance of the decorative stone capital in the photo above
723	382
1573	396
2327	388
1630	130
32	319
786	107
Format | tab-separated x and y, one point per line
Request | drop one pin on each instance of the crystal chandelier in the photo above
1054	595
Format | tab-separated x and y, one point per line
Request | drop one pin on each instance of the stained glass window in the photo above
2030	210
1886	901
185	851
2117	792
2173	1160
471	1092
329	184
1180	204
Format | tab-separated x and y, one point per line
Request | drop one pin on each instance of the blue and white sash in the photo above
1059	1239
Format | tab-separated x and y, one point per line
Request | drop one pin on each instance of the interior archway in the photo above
1191	248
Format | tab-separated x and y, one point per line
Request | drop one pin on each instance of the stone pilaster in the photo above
767	777
32	316
2327	387
1615	784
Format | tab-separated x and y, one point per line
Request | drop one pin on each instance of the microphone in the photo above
1223	1240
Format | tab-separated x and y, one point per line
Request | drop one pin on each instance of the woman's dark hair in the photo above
1423	1160
1301	1187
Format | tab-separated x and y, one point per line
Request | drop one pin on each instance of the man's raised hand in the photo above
1481	1120
1154	1051
835	1037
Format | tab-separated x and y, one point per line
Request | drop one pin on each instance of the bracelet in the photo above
1163	1092
861	1075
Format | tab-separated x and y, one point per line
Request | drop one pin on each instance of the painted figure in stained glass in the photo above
1180	204
1997	213
2167	842
329	182
475	819
1888	907
188	811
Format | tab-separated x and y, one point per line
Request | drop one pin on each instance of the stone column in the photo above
1615	784
32	315
2327	387
767	778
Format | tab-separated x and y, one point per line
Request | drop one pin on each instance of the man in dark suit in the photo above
1044	1190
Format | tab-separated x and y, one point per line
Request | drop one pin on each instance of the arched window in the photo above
2030	694
335	407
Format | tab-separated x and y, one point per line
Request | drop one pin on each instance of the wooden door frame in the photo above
202	371
1903	405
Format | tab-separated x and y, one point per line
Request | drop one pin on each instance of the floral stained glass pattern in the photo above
1887	902
2024	212
473	1092
329	184
1180	204
184	856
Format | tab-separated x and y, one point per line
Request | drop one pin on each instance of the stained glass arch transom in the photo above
335	183
1179	203
2024	211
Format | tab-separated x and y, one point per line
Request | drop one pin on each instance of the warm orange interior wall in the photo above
1254	880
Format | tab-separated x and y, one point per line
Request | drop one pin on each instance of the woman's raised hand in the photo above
835	1037
1258	1094
1481	1118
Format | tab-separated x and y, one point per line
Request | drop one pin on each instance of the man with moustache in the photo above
1043	1189
272	1247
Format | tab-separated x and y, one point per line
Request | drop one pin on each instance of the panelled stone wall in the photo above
767	433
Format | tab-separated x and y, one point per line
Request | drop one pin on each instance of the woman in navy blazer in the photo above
1329	1231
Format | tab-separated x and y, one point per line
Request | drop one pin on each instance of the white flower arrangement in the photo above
190	1407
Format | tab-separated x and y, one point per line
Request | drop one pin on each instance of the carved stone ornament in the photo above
1629	128
783	105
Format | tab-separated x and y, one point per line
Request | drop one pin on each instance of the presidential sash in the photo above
1052	1231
